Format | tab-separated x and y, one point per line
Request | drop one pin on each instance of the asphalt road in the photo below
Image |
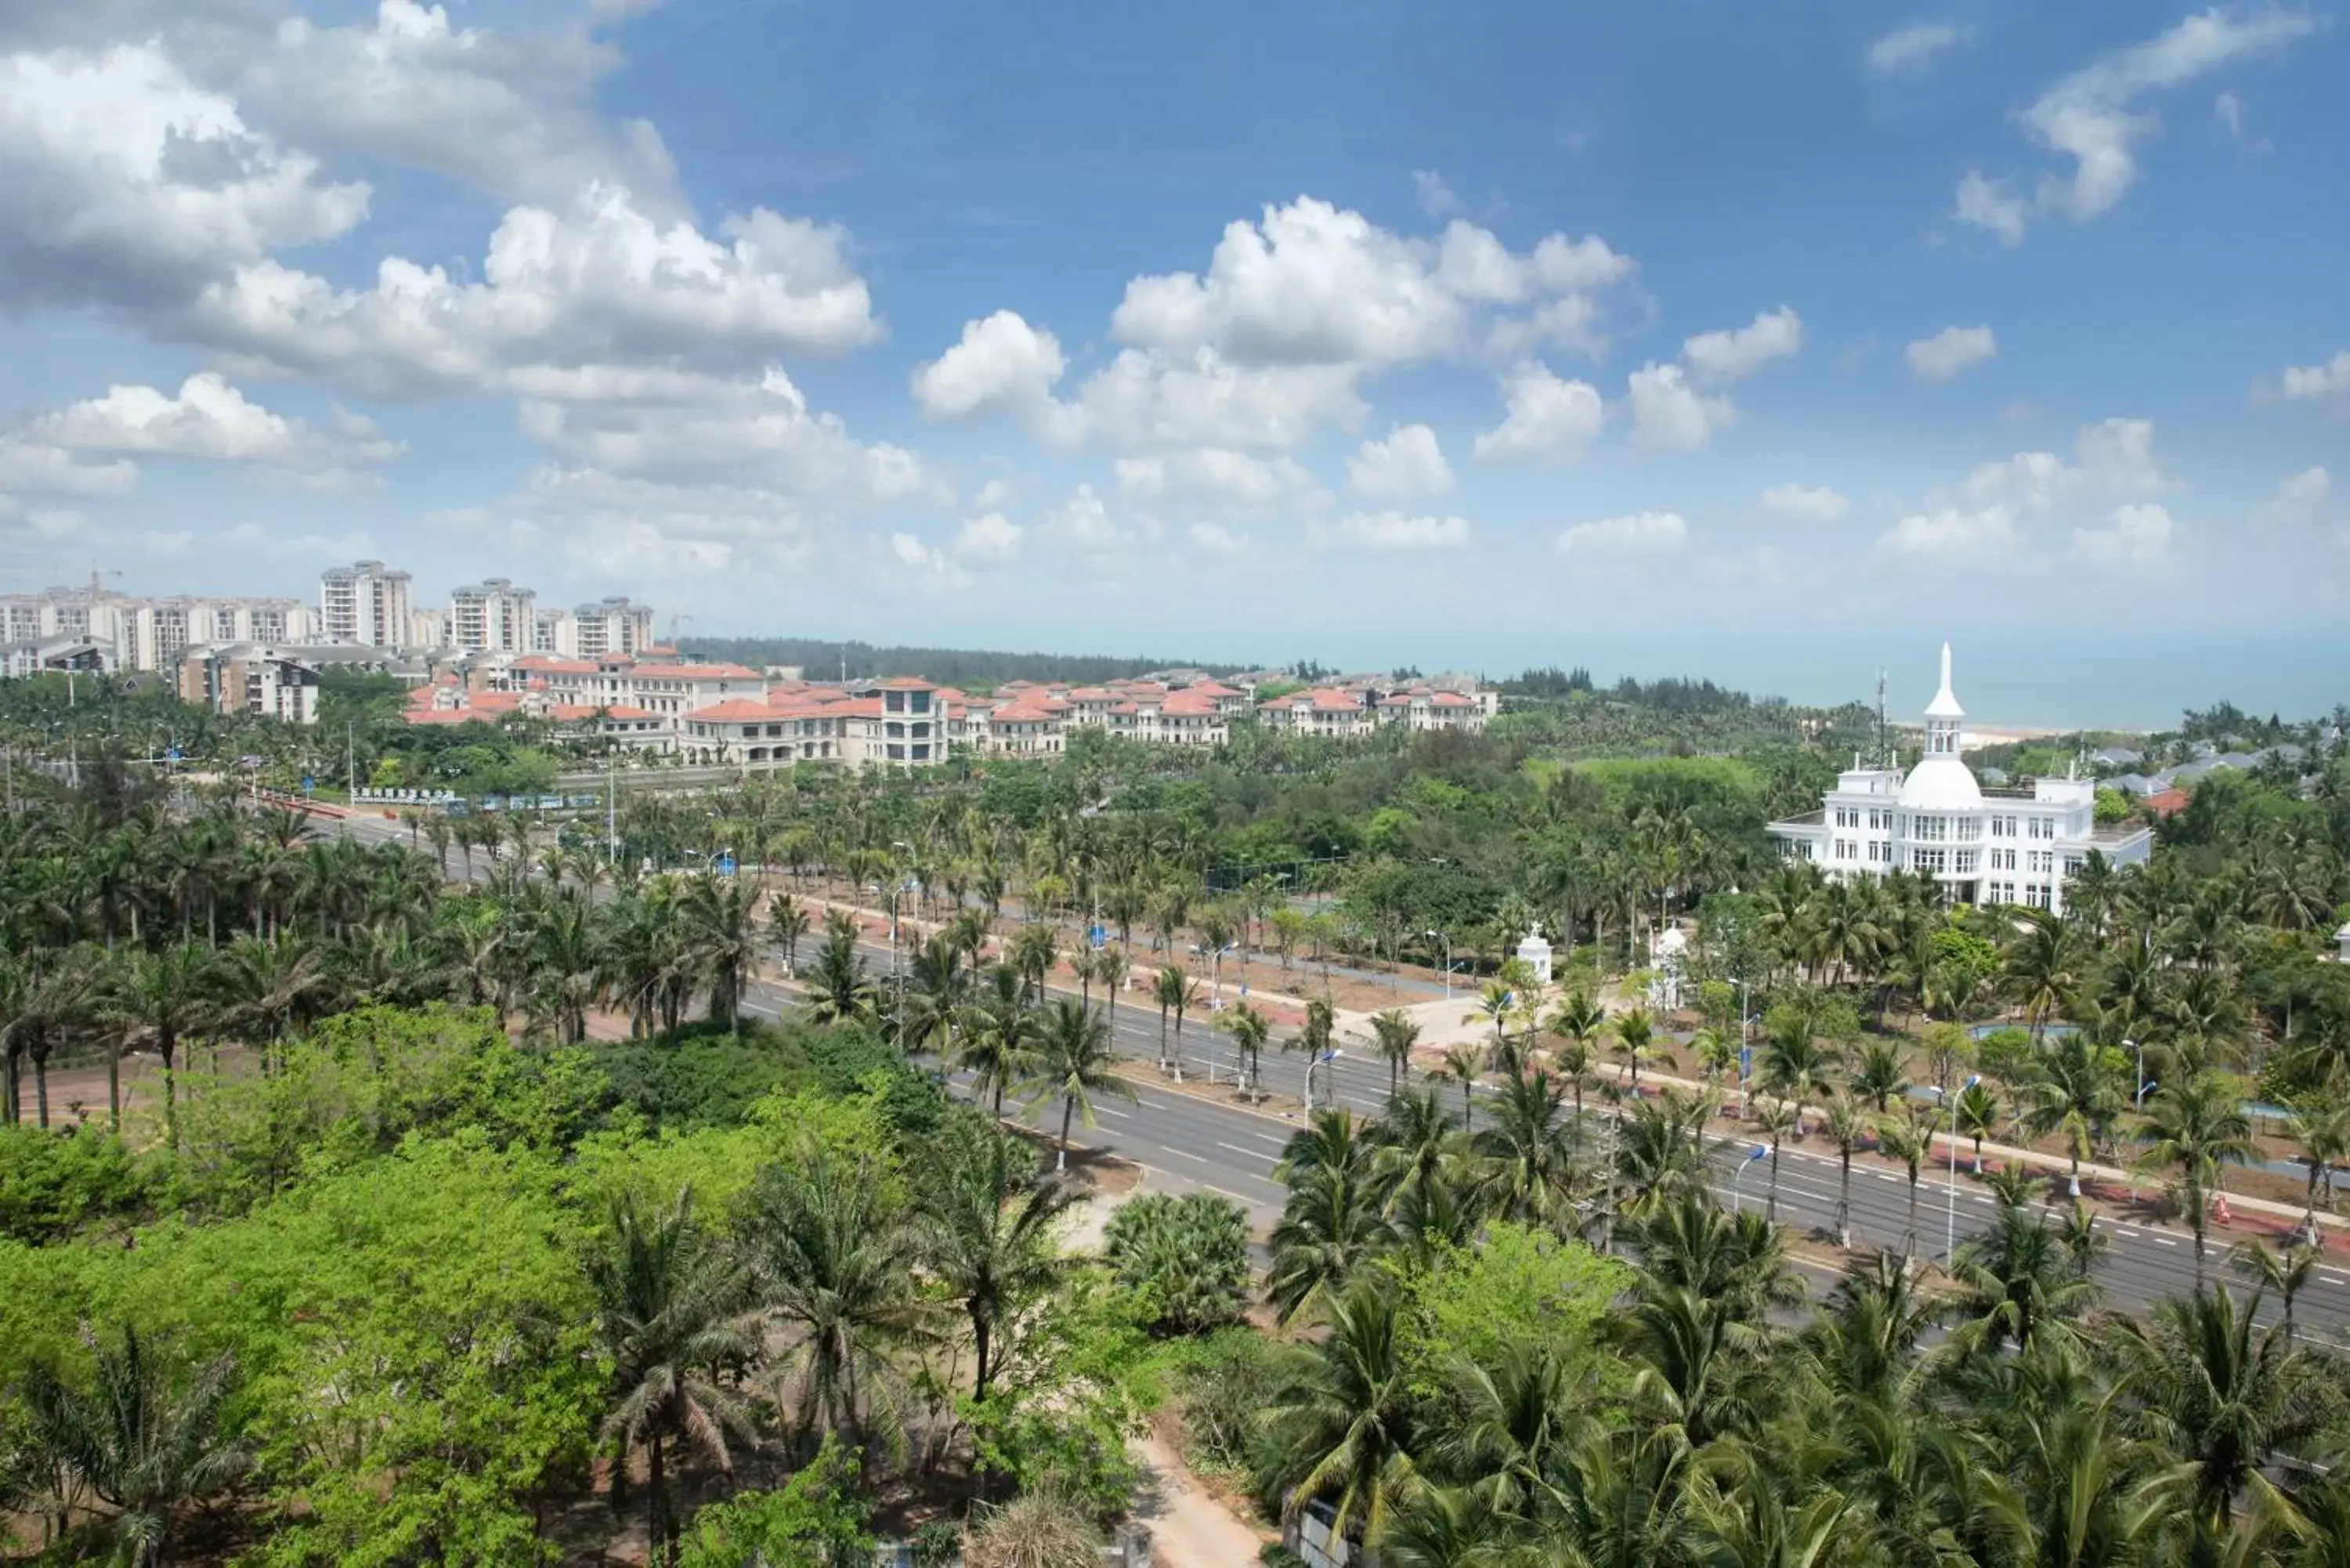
1190	1144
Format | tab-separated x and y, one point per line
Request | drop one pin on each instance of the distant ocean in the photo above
2065	680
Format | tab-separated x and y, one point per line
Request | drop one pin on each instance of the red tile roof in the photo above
2165	802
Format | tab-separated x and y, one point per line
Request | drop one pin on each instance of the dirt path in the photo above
1188	1528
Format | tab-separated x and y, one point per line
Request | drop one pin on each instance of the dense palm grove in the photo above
393	1262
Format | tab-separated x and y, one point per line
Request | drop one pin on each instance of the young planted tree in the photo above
1250	1030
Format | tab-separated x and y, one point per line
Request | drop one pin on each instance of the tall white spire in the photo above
1944	704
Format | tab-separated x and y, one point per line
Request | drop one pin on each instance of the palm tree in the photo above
1397	1033
1032	951
1074	1062
1342	1419
167	992
1250	1030
1530	1154
2018	1284
1846	1124
2042	967
1978	1116
1170	988
1795	1065
1774	1118
142	1447
1907	1136
2197	1127
1634	1041
835	1262
269	988
670	1307
997	1035
1332	1223
1493	1004
1460	1065
2323	1132
2075	1094
2225	1396
985	1231
1876	1073
934	998
720	914
837	988
2286	1270
787	926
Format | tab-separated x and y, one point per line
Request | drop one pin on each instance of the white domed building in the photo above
1984	847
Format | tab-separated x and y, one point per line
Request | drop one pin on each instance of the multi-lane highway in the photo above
1187	1142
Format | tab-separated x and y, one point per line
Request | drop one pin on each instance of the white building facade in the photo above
1937	821
368	604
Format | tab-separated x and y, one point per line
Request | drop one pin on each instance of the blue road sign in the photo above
308	783
171	753
1745	1063
724	864
1097	937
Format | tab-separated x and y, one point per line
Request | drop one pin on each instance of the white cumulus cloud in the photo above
2317	382
990	539
2302	495
1389	530
2138	535
1949	351
1000	363
1807	503
1955	533
1640	533
1669	415
1914	46
1548	416
2095	118
1407	463
1720	358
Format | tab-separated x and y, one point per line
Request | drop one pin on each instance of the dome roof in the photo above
1940	784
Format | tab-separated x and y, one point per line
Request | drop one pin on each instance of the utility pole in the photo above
351	757
1884	757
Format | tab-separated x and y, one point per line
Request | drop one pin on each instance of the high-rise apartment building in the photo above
493	616
151	633
367	604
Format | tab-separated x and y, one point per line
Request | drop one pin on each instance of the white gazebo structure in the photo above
1535	953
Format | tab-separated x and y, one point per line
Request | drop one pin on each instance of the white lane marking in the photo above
1221	1192
1268	1137
2332	1279
1105	1111
1186	1153
1251	1153
2165	1241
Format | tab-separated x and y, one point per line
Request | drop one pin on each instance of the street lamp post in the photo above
1759	1151
1446	938
1951	1224
1323	1060
1745	1051
2138	1099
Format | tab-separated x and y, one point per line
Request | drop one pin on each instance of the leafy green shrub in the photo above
1222	1381
55	1184
1187	1256
817	1520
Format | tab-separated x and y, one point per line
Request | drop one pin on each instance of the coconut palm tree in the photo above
1331	1225
1250	1030
838	989
998	1034
2017	1285
1846	1124
1342	1421
985	1233
2323	1132
2197	1127
1907	1135
787	927
2224	1394
1634	1041
2287	1271
1034	949
141	1444
723	934
1074	1062
1978	1116
670	1307
1529	1151
1397	1033
2077	1094
1774	1118
935	996
1173	989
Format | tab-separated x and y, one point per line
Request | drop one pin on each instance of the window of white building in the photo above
1930	860
1929	829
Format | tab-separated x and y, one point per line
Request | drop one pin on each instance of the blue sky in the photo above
1374	331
